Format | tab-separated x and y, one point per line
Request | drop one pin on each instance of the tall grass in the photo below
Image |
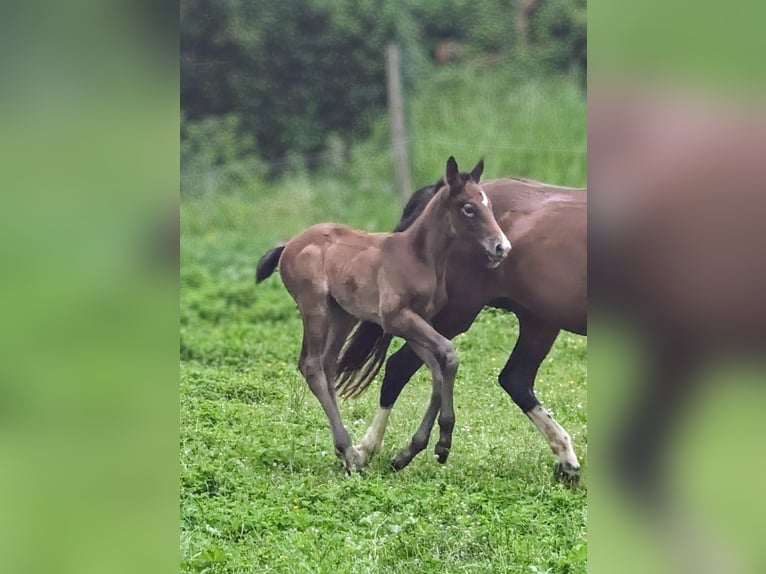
533	128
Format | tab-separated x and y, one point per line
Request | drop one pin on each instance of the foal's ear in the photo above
477	171
453	174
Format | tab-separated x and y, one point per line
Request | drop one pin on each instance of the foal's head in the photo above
470	212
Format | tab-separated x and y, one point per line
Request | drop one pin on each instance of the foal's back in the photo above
333	260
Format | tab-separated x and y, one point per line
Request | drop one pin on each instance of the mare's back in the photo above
526	196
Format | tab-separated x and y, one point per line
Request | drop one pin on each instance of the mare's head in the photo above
469	212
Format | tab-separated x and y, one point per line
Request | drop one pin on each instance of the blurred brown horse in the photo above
543	281
678	250
338	276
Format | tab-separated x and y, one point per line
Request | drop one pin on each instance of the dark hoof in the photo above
400	461
567	473
441	453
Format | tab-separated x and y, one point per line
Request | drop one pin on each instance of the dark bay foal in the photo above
338	276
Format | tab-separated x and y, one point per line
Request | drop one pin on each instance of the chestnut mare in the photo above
396	281
543	282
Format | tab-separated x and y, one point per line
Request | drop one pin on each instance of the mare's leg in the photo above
400	368
670	381
319	335
668	386
437	352
340	326
518	379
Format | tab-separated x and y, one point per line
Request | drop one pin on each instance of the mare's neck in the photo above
432	234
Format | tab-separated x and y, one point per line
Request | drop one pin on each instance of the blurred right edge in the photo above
677	276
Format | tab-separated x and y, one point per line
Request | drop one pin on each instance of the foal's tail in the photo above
361	359
268	263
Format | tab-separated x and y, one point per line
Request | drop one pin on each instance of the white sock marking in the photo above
558	439
373	438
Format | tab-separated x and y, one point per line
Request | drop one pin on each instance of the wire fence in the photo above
383	151
378	151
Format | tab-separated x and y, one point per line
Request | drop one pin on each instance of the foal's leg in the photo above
400	368
319	337
341	325
420	438
439	355
518	378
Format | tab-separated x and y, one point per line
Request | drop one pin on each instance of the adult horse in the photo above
338	276
543	282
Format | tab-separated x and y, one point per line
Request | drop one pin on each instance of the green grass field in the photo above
261	489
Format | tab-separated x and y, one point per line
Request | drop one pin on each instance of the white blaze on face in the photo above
558	439
484	199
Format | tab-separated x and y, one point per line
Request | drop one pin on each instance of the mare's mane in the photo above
537	192
417	203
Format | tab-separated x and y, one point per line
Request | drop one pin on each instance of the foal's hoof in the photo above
567	473
441	452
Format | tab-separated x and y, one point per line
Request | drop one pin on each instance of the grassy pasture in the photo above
261	489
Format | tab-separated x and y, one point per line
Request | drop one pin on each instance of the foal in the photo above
338	276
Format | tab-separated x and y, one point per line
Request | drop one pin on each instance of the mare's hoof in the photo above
567	473
399	461
352	463
361	455
441	453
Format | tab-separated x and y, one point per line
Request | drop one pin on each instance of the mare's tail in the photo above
361	359
268	263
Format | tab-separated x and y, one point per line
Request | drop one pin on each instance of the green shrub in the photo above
306	77
216	155
558	32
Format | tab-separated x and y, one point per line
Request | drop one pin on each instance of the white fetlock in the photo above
559	441
372	441
361	454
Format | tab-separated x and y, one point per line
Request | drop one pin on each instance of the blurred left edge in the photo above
89	306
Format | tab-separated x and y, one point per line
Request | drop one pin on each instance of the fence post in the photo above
396	113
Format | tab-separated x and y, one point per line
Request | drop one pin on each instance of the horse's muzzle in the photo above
498	252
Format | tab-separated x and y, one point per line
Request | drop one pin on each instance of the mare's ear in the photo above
477	171
453	174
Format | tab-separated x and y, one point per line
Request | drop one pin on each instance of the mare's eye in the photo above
469	210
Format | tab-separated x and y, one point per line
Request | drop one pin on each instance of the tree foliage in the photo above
558	30
296	73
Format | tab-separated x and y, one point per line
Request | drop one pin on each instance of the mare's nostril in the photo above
499	249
